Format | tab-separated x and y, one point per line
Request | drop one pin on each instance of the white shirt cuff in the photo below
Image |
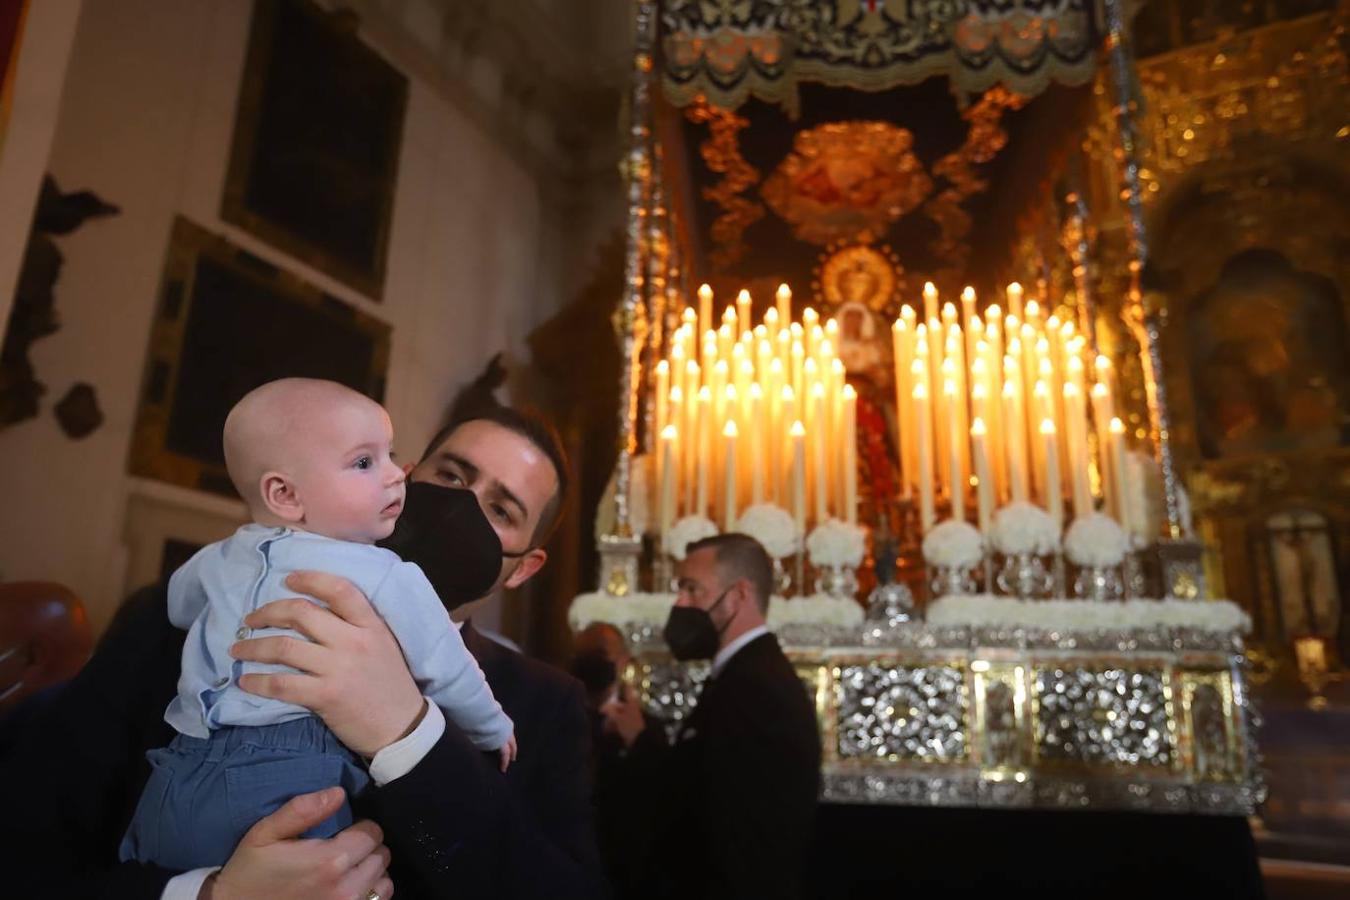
399	758
188	885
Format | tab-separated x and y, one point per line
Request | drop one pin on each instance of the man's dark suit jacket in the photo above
457	828
743	779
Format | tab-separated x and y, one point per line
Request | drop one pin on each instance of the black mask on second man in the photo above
690	632
444	531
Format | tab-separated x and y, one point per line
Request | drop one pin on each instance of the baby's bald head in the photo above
281	425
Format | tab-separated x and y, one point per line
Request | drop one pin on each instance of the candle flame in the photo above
837	366
728	316
921	332
1103	364
663	368
1009	390
762	332
1052	323
1100	390
1075	364
948	311
826	348
797	430
669	433
788	394
743	296
907	312
1033	309
1040	390
688	317
1070	390
809	367
979	391
785	292
676	394
917	367
809	315
949	388
1014	288
920	392
730	393
705	291
776	366
691	368
756	392
1014	347
968	294
677	352
831	327
1047	426
737	352
730	429
849	393
1117	426
929	289
747	368
993	311
977	428
797	332
705	394
765	348
818	390
899	325
726	332
771	315
720	368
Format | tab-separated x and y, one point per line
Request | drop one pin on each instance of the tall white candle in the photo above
930	301
956	487
1078	453
729	484
818	451
1054	502
1119	500
784	300
758	433
984	490
797	434
668	438
850	454
743	308
704	453
705	306
1015	444
924	419
1014	293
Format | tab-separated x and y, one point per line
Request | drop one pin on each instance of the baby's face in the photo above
345	475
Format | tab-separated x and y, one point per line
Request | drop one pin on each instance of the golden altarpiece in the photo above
1153	359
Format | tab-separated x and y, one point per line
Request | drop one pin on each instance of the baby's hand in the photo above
508	752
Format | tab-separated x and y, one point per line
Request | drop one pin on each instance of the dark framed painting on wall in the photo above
316	142
227	322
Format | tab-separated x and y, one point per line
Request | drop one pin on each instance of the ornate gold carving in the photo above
721	153
984	139
847	181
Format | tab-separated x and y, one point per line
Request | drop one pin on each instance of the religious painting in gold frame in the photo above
314	162
227	322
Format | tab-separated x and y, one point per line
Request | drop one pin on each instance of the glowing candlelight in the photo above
729	485
784	300
1053	502
668	438
984	489
924	421
850	438
705	301
743	308
797	434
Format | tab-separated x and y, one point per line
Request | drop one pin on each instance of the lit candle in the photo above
788	401
678	420
984	489
1053	502
1014	293
729	485
1102	414
784	300
1119	500
668	437
797	434
818	451
662	394
743	308
924	421
705	301
1078	453
704	453
726	335
1016	443
956	486
930	301
771	322
757	436
967	307
902	345
850	454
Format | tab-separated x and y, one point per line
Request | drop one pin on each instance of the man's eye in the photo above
364	462
501	514
451	478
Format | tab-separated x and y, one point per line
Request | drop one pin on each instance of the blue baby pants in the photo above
203	795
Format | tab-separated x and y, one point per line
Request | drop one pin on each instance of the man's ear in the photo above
529	564
280	497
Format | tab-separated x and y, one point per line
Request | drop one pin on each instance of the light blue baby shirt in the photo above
212	592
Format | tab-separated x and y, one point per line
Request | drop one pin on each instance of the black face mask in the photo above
443	530
595	671
690	632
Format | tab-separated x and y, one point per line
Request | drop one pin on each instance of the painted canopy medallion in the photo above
847	180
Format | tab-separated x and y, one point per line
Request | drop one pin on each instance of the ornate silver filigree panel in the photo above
898	712
670	690
1105	717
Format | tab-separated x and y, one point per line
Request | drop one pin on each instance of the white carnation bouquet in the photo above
638	608
1096	541
1022	527
817	609
685	532
835	543
954	544
773	527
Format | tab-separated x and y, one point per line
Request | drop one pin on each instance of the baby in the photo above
312	459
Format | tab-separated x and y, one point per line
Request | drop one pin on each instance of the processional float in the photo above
1067	654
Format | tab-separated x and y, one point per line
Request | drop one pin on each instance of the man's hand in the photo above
623	715
353	676
273	861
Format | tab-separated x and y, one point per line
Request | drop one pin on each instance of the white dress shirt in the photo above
726	653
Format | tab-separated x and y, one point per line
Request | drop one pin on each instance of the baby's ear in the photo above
280	497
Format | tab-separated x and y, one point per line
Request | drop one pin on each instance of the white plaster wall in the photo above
146	121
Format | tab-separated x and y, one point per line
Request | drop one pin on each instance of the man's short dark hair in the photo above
740	556
538	431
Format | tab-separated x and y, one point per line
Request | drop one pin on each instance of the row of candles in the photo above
995	405
1000	403
753	413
